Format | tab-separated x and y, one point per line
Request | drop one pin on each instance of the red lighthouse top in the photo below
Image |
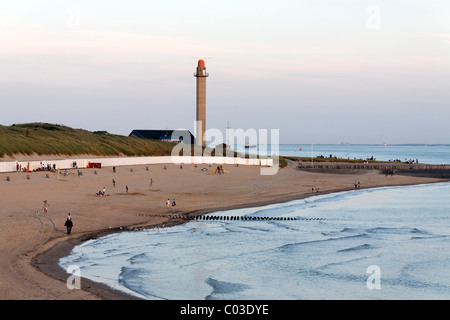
201	63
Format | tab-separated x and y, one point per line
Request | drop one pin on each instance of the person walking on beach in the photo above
126	188
168	203
45	206
173	204
114	183
68	225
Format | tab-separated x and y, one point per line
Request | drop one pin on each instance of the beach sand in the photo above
32	241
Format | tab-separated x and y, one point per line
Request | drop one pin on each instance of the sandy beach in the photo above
32	241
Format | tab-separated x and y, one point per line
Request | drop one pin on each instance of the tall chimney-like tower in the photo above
201	103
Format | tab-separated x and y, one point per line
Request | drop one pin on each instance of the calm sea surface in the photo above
384	243
428	154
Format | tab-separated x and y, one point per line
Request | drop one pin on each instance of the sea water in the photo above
426	154
383	243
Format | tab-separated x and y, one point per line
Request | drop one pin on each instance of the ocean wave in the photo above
133	280
284	226
129	273
255	228
138	258
223	289
438	236
349	229
360	247
290	246
388	230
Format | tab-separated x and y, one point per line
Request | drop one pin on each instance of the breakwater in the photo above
373	166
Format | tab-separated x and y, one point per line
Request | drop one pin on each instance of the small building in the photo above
164	135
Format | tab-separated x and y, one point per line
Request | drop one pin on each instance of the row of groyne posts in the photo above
235	218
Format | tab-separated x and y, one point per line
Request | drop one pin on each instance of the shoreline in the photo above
32	244
48	261
50	258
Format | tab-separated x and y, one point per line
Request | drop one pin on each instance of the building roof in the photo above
163	134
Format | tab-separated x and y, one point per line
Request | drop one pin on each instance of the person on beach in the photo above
168	203
126	188
45	206
114	183
68	225
173	204
69	217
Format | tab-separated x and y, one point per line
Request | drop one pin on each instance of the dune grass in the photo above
52	139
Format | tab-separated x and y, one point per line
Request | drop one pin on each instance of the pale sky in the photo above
319	71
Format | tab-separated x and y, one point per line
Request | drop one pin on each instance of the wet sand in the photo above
33	241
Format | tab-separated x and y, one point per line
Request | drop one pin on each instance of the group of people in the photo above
19	167
323	157
43	167
168	203
102	192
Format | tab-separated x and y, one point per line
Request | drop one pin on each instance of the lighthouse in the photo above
201	103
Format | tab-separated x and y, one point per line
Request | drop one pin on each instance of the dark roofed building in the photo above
164	135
